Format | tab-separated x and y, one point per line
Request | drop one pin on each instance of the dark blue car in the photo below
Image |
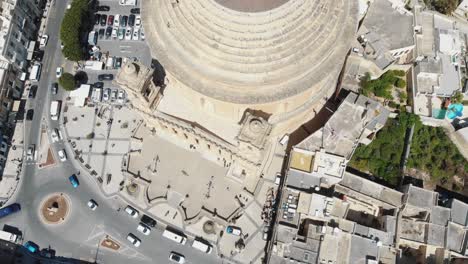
74	181
12	208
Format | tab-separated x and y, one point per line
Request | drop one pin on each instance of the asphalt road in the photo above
80	234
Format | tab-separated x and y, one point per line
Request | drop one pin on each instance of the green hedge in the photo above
71	28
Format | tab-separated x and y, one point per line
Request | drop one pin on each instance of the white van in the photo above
202	246
54	110
35	74
8	236
174	237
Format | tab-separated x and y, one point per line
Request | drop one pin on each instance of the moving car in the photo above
131	211
54	88
136	34
98	84
55	135
103	20
30	153
62	155
30	114
74	181
135	10
142	228
92	205
128	34
176	257
104	8
31	247
12	208
134	240
116	20
110	20
106	94
32	91
131	20
148	221
43	41
106	77
58	72
138	21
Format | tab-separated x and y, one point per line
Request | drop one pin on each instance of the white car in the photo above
142	228
128	34
106	94
30	153
58	72
134	240
114	32
177	258
92	205
116	20
121	97
131	211
137	21
43	42
62	155
55	136
136	34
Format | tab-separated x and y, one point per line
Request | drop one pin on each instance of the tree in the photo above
400	83
443	6
73	25
457	97
67	81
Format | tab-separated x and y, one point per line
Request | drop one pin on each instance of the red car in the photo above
110	20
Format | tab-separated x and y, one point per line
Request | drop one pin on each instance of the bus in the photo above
35	74
12	208
202	246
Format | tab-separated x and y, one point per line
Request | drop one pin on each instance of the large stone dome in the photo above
250	57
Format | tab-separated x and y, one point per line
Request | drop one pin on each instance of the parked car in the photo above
106	94
102	32
136	34
97	19
54	88
103	20
137	21
31	247
12	208
110	20
58	72
55	135
113	96
104	8
30	114
114	32
121	97
142	228
98	85
62	155
142	34
123	21
176	257
135	10
43	41
118	62
116	20
131	211
121	33
131	20
106	77
74	181
234	230
32	91
148	221
92	205
108	32
31	152
134	240
128	34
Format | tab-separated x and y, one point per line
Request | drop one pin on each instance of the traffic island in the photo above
55	208
109	243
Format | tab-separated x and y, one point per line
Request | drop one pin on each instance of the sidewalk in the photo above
13	165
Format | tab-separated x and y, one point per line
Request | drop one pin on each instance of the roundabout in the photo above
55	208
